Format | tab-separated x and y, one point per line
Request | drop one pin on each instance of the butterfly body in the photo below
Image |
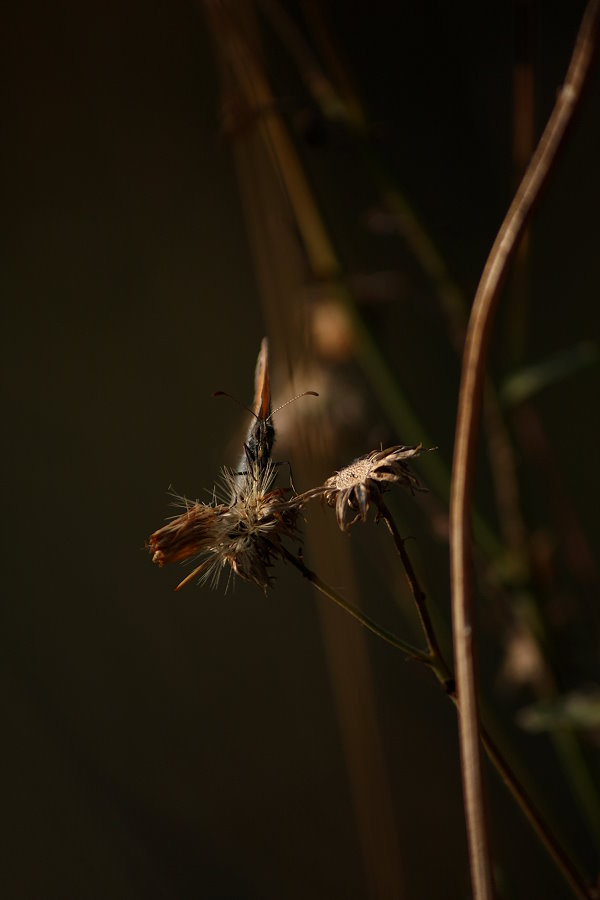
261	436
259	444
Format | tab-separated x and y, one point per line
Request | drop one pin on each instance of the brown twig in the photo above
581	889
469	409
438	663
444	674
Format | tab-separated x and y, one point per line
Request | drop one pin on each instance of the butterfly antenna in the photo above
235	400
297	397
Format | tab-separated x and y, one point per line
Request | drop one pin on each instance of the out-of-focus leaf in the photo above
578	709
531	380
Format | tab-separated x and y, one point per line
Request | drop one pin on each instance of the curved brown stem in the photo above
444	674
469	408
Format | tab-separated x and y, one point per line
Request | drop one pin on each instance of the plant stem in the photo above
469	408
411	652
444	674
440	666
579	886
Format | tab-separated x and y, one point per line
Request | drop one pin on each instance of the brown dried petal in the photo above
194	531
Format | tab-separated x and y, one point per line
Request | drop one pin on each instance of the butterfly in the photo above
261	436
255	462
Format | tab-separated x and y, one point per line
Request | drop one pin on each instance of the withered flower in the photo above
244	535
351	489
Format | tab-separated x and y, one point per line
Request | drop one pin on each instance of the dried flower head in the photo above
352	488
244	535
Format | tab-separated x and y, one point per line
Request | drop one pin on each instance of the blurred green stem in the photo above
568	749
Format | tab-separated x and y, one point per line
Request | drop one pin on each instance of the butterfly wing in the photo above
262	386
259	442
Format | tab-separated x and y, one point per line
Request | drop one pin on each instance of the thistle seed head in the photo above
351	489
245	535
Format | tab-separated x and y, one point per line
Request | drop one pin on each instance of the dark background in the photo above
162	745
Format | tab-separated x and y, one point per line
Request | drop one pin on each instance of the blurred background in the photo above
181	179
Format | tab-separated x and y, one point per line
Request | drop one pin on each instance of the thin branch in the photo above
387	636
469	409
439	665
581	889
443	672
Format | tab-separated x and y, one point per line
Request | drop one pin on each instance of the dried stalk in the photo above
581	889
469	409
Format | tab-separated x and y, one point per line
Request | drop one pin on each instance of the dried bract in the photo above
192	533
351	489
245	535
